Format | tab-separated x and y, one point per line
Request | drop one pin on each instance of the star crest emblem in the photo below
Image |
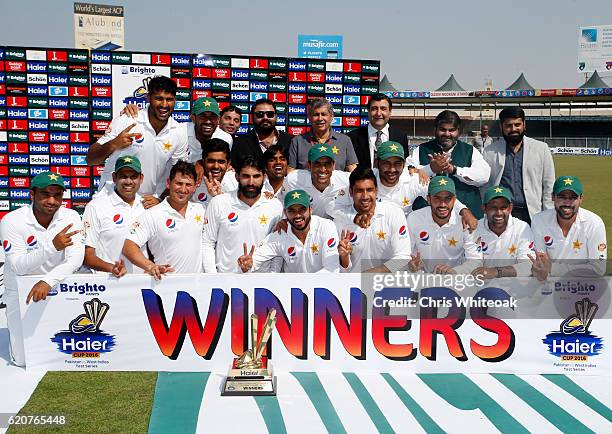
263	219
127	160
568	181
296	195
405	201
381	235
314	248
442	182
206	103
512	250
576	245
53	177
198	218
322	148
335	150
452	242
167	146
393	147
498	189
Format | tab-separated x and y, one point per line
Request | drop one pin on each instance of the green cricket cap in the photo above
571	183
440	183
497	191
390	149
205	104
297	197
316	152
45	179
129	161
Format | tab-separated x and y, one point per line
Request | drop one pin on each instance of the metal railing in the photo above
553	142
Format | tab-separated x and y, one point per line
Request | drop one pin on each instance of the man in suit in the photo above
263	134
522	165
366	139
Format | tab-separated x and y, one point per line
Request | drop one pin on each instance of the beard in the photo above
514	139
264	129
304	225
251	193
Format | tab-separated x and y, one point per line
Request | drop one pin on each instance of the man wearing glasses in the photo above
263	134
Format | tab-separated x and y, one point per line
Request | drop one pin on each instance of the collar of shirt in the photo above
372	131
510	149
235	200
454	219
314	225
313	139
116	200
276	135
508	226
31	218
143	117
165	206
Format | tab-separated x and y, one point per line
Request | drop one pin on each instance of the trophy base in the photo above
250	382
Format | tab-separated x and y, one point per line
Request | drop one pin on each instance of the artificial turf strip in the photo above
93	402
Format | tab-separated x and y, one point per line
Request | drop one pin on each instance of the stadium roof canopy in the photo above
451	85
520	83
386	85
594	82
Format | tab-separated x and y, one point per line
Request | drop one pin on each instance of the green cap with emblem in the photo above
205	104
440	183
571	183
316	152
390	149
45	179
497	191
297	197
129	161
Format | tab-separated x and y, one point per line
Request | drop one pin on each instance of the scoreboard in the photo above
55	102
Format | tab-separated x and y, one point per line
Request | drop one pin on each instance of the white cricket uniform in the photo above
318	253
267	187
447	244
195	147
172	238
229	223
157	152
386	239
403	194
319	200
584	248
511	248
477	174
107	221
202	195
29	250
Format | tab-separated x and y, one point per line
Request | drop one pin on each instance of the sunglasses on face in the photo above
269	114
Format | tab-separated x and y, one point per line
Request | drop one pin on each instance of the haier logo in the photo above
351	88
350	100
297	87
18	159
180	60
41	160
239	96
100	80
297	66
100	69
36	67
35	170
58	102
334	99
297	109
55	136
240	74
60	160
78	149
333	77
58	91
37	90
201	84
101	103
17	113
79	115
180	116
81	194
38	125
78	160
58	79
258	86
20	194
4	182
38	148
350	111
100	57
38	113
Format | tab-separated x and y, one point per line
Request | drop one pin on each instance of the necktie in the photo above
377	143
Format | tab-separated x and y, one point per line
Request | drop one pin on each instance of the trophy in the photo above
251	373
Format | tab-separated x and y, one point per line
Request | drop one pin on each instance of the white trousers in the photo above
13	318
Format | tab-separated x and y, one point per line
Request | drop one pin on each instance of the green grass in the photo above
93	402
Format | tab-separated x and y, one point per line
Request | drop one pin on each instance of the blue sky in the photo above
419	43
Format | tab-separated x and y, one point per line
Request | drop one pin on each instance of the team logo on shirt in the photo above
532	246
483	246
6	244
331	243
424	236
139	138
353	238
31	241
118	219
291	251
548	241
402	230
232	217
170	224
202	197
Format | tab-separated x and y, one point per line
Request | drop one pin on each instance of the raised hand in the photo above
119	269
124	139
63	239
540	265
282	226
439	163
213	185
131	110
468	220
245	262
363	220
345	248
157	270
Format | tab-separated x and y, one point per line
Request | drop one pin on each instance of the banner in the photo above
595	48
98	27
320	46
324	323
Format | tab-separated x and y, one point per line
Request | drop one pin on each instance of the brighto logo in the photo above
85	288
589	35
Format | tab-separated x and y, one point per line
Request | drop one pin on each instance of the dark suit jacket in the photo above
359	137
248	144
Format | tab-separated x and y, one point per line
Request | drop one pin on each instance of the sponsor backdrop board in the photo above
98	27
595	48
320	46
331	323
55	102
